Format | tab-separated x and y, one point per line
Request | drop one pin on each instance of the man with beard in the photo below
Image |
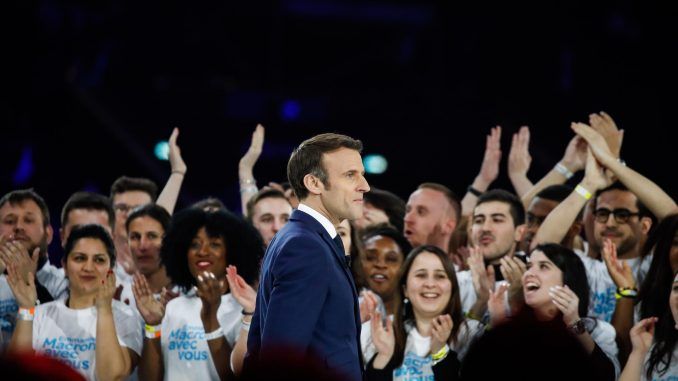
431	215
24	231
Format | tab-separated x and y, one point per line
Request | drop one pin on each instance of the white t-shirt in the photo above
605	336
8	310
602	298
671	373
70	335
54	280
417	362
185	352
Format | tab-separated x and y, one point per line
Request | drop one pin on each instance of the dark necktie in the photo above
340	245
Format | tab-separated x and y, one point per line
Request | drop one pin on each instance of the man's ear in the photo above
313	184
50	234
448	226
519	233
645	225
61	237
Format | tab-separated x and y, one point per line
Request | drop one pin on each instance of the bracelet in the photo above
249	188
471	315
583	192
440	355
245	325
26	314
626	292
248	182
178	173
473	191
247	313
152	331
563	171
217	333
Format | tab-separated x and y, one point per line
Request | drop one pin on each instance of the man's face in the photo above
79	217
625	235
493	231
24	222
342	195
536	213
426	214
123	203
270	215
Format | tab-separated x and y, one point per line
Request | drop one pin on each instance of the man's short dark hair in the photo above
153	211
88	201
556	192
19	196
126	184
643	211
307	159
263	194
90	231
516	208
390	203
449	195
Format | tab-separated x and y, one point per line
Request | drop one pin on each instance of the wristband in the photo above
152	331
245	325
626	292
248	182
217	333
247	313
583	192
440	355
249	188
563	171
26	314
473	191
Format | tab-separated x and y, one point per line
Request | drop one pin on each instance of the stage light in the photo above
375	164
162	150
290	110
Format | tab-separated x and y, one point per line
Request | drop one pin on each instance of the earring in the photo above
406	302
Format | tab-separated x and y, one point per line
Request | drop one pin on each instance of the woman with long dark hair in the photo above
429	334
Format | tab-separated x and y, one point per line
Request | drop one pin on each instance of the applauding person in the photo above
96	335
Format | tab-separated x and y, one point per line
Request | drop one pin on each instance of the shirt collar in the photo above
320	218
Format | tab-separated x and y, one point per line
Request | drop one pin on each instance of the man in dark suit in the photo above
307	301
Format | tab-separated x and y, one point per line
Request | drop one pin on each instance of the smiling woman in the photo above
198	329
92	333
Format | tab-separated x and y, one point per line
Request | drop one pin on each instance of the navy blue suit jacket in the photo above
307	299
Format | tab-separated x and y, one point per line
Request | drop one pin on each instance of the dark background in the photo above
90	87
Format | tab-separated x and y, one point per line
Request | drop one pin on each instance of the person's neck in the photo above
316	204
497	260
423	325
158	279
630	254
78	301
389	304
440	241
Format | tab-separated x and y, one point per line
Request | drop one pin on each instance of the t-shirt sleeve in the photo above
128	329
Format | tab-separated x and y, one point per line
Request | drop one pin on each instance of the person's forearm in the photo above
622	320
22	339
552	178
649	193
479	309
558	222
587	342
634	367
239	352
112	360
521	184
220	351
170	193
248	186
151	366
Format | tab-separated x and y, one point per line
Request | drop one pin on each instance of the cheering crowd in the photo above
552	280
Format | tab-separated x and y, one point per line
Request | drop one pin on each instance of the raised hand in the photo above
574	158
495	305
23	289
383	336
519	158
596	143
489	169
567	302
16	252
152	310
241	291
252	155
210	290
620	271
642	334
176	161
512	269
595	177
367	306
441	328
106	291
605	125
483	278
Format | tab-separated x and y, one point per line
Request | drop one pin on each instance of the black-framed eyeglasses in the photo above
621	215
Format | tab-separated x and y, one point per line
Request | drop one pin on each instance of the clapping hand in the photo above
151	309
441	328
567	302
243	293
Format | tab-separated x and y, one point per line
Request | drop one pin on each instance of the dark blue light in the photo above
290	110
25	169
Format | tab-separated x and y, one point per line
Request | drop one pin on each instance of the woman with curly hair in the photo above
192	337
